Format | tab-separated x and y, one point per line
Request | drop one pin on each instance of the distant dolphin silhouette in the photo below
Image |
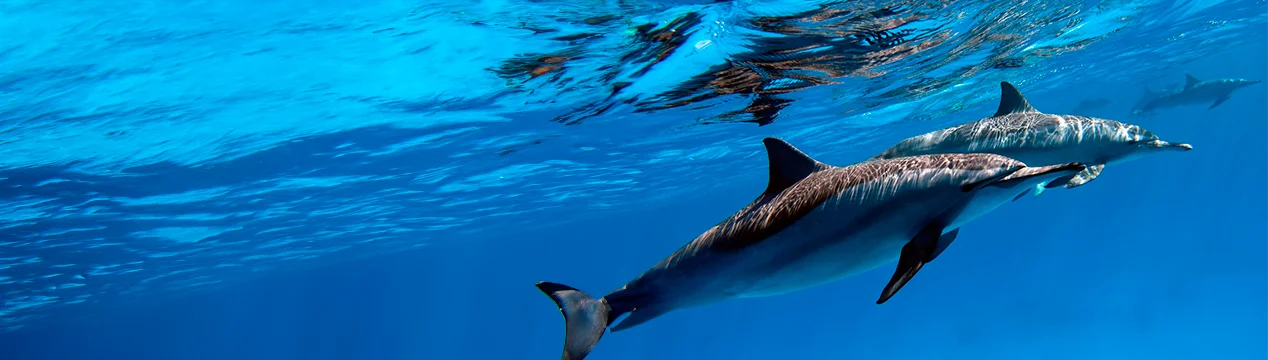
1020	132
815	223
1088	105
1150	95
1214	92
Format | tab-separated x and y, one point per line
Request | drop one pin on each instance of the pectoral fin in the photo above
922	249
1085	176
1218	101
1060	181
943	242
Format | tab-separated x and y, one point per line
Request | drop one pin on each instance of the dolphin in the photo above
815	223
1148	96
1088	105
1020	132
1214	92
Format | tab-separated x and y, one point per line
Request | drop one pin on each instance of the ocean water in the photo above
388	179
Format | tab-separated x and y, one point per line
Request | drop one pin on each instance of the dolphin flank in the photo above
1214	92
1018	131
814	224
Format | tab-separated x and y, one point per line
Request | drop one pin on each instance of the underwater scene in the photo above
633	179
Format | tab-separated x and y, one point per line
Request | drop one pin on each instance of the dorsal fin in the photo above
1011	101
787	165
1189	81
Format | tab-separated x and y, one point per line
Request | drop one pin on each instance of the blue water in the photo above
387	180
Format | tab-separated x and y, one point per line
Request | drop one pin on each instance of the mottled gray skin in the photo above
1020	132
1037	138
1214	92
861	216
816	223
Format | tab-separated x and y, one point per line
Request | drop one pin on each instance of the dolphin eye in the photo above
1132	142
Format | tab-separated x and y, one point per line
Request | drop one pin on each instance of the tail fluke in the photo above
585	318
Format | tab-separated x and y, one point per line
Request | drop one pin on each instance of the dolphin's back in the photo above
768	215
1018	135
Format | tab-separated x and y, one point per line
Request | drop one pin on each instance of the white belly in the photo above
850	258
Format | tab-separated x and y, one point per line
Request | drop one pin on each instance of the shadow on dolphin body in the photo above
815	223
1019	131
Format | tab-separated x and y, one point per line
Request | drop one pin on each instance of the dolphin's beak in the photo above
1028	172
1060	174
1174	146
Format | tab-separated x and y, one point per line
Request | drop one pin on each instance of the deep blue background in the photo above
1163	257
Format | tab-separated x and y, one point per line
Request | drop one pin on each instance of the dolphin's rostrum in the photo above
1019	131
815	223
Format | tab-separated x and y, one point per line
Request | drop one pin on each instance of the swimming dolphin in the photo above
1020	132
815	223
1214	92
1088	105
1151	95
